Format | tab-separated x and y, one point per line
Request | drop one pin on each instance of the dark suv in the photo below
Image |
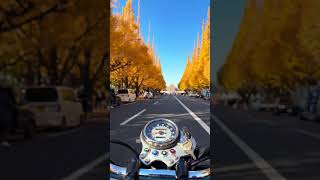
20	121
285	105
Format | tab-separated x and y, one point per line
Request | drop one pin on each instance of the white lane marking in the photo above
195	117
64	133
238	167
314	135
204	103
262	164
156	102
85	169
136	115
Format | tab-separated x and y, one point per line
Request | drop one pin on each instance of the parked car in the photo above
54	106
312	110
127	95
205	94
22	121
231	98
285	104
193	94
148	95
264	104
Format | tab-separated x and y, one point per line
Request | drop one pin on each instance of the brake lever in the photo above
186	132
203	156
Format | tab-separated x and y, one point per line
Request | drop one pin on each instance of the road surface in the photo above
247	145
127	121
252	145
73	154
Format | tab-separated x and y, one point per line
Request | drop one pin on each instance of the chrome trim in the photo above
161	173
121	171
118	170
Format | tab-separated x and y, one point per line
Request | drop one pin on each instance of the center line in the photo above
156	102
195	117
262	164
136	115
316	136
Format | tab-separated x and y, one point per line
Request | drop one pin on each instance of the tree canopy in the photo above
276	47
196	75
55	42
133	63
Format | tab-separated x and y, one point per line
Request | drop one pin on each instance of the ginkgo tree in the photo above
196	75
55	42
275	49
133	63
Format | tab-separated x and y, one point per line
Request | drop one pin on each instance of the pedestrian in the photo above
112	97
84	102
98	100
7	109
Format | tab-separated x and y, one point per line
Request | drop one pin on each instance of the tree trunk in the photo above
53	66
87	88
30	74
38	67
137	86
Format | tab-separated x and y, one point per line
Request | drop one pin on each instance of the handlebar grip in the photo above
182	171
133	169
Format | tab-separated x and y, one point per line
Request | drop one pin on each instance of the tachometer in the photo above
160	133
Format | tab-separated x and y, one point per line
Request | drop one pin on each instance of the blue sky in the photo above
175	25
225	21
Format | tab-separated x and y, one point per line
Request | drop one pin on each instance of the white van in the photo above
127	95
53	106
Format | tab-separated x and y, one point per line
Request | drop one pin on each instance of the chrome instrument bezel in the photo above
157	144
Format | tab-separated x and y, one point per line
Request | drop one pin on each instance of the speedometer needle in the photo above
159	133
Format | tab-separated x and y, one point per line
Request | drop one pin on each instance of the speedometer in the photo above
160	133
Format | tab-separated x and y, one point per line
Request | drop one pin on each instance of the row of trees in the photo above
276	48
196	75
56	42
133	63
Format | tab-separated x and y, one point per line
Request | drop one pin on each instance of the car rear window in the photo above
122	91
41	95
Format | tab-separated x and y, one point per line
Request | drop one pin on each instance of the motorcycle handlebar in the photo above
159	173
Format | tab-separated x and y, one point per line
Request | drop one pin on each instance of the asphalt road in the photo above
73	154
257	145
247	145
141	112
